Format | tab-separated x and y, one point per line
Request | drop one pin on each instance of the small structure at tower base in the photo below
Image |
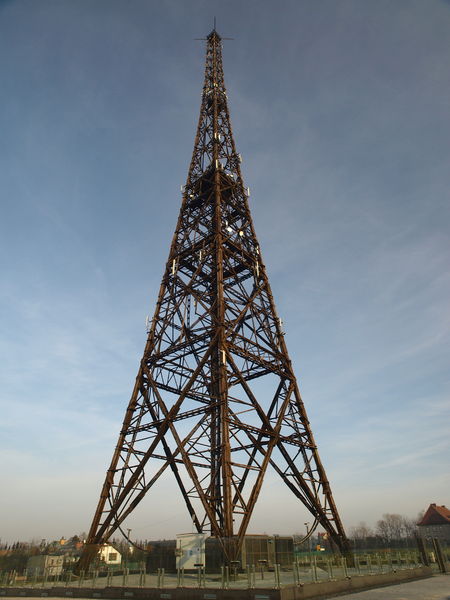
191	551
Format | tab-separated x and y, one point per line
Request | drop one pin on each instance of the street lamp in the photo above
309	538
130	546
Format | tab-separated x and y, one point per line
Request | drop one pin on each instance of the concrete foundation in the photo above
327	589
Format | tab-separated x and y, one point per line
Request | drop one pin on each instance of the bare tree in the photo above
382	530
361	531
394	527
390	527
409	527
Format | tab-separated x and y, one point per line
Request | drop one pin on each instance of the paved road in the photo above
433	588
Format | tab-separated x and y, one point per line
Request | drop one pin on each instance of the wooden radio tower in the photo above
216	399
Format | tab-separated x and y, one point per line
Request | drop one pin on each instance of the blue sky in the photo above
341	112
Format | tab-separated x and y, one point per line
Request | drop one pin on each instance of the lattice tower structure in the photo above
216	399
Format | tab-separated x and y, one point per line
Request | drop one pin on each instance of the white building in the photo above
44	564
110	555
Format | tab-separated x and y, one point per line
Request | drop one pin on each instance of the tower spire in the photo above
216	399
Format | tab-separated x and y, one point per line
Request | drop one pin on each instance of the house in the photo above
435	523
109	555
45	564
71	547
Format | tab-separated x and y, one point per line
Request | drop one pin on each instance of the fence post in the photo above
439	555
314	568
330	561
391	568
344	566
275	576
380	563
422	551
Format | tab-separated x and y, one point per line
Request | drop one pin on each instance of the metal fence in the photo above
305	569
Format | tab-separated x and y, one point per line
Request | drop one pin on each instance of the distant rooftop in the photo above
436	515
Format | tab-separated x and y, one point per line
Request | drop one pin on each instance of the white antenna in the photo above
148	322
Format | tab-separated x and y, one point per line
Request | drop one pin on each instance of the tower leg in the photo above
89	554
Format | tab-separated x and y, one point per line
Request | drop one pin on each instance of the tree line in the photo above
391	530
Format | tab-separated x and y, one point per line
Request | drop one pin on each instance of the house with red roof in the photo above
435	523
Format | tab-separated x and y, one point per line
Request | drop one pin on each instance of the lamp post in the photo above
130	547
309	540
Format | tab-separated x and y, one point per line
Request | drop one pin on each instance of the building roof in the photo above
436	515
107	546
